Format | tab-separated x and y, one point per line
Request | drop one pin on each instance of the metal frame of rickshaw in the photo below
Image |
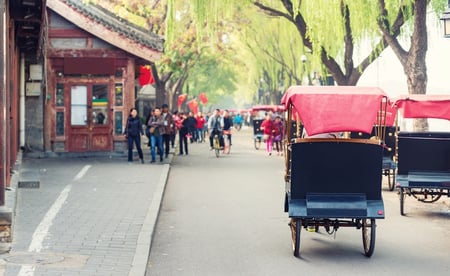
423	157
389	166
357	205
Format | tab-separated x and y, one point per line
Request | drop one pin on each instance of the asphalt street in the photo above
224	216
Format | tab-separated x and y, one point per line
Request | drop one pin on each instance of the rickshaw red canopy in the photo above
273	108
324	109
424	106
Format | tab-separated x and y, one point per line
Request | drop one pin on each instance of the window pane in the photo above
78	109
119	94
100	104
59	123
60	94
79	116
118	122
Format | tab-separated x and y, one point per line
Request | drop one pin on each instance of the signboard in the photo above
33	89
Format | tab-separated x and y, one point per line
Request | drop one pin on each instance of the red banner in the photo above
145	75
203	98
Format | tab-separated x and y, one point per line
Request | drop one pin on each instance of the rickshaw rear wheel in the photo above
391	180
402	201
368	236
296	228
427	196
257	143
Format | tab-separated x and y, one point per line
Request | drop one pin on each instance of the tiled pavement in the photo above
90	216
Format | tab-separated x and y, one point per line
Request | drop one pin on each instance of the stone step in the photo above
29	179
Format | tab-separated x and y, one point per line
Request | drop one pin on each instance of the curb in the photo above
144	242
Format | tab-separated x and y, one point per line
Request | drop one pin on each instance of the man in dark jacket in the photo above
192	126
183	132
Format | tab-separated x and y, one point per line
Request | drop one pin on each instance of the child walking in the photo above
278	135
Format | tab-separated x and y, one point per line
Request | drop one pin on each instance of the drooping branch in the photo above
390	33
272	12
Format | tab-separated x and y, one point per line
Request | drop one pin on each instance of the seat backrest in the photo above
389	140
423	151
335	167
256	126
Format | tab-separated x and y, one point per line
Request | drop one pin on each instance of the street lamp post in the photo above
446	18
303	58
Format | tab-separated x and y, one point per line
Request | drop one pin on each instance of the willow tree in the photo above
413	59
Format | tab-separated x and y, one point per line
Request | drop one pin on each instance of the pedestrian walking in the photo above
267	127
192	127
168	128
157	130
133	132
183	132
147	128
278	131
200	127
175	118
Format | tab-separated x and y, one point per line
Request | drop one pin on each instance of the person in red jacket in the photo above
201	121
267	127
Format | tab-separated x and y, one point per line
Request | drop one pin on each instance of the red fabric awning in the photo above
272	108
324	109
424	106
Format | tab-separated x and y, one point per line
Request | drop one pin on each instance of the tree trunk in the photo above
413	61
160	94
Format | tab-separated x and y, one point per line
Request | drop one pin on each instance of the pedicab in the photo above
389	142
334	182
259	112
423	157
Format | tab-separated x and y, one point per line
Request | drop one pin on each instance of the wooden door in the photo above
90	125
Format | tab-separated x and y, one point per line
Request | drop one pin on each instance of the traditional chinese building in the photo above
91	64
69	72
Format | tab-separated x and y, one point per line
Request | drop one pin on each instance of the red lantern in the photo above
203	98
145	75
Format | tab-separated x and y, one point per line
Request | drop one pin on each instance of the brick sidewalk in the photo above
90	216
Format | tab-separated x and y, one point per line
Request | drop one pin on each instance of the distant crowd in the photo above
162	128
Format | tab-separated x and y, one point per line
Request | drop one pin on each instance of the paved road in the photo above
225	217
91	216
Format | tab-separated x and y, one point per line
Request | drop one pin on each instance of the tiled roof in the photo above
119	25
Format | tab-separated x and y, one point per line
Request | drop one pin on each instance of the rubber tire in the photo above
391	180
298	226
368	238
216	147
257	143
402	196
